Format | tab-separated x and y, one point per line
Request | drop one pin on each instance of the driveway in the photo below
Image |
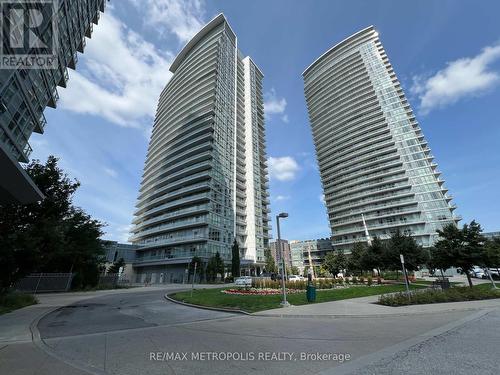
139	332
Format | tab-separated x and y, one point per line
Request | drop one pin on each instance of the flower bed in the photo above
319	283
259	292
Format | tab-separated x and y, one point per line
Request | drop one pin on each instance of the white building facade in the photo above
373	158
205	180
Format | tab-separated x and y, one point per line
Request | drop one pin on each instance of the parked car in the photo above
275	276
243	281
494	273
478	273
294	278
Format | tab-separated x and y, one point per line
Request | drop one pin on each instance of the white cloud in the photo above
283	168
110	172
273	105
122	78
282	198
183	18
461	78
322	198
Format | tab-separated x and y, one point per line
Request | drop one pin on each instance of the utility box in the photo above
311	293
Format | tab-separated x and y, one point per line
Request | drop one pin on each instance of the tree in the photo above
270	263
492	253
50	235
400	244
294	270
335	262
215	266
115	267
374	255
460	248
235	260
355	259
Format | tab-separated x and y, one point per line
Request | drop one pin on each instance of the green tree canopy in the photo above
492	253
399	244
355	260
115	267
374	255
215	266
51	235
270	263
460	248
335	262
235	260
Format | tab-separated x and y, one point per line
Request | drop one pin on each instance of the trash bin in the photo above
311	293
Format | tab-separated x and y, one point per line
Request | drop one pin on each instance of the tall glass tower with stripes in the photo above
205	180
377	170
25	92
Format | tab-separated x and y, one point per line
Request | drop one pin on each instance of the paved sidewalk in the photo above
366	307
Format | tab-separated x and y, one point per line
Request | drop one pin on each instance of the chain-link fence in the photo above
45	282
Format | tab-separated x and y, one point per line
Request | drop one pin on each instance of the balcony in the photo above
170	226
170	241
177	202
172	214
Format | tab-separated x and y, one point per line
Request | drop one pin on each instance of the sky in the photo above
445	53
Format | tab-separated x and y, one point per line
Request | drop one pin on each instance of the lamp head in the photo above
283	215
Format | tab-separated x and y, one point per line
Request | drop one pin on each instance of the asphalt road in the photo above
141	333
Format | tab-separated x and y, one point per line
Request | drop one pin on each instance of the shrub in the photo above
379	280
354	280
369	281
361	280
427	296
15	300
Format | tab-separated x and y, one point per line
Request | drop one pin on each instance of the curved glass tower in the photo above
376	168
205	178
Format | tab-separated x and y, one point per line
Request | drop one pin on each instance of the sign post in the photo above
405	275
194	276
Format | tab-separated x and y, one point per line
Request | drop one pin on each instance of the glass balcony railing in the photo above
171	240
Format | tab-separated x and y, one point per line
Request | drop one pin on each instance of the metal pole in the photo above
311	266
194	276
38	283
367	234
491	278
70	277
284	302
404	274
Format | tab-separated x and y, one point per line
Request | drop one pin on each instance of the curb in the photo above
42	345
340	316
222	309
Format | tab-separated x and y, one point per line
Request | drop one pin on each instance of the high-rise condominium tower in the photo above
25	92
375	164
205	178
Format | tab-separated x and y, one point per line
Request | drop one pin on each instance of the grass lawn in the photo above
486	286
14	301
215	298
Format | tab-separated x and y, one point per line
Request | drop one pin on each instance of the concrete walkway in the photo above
366	307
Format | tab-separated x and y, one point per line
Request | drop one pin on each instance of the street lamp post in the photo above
282	215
